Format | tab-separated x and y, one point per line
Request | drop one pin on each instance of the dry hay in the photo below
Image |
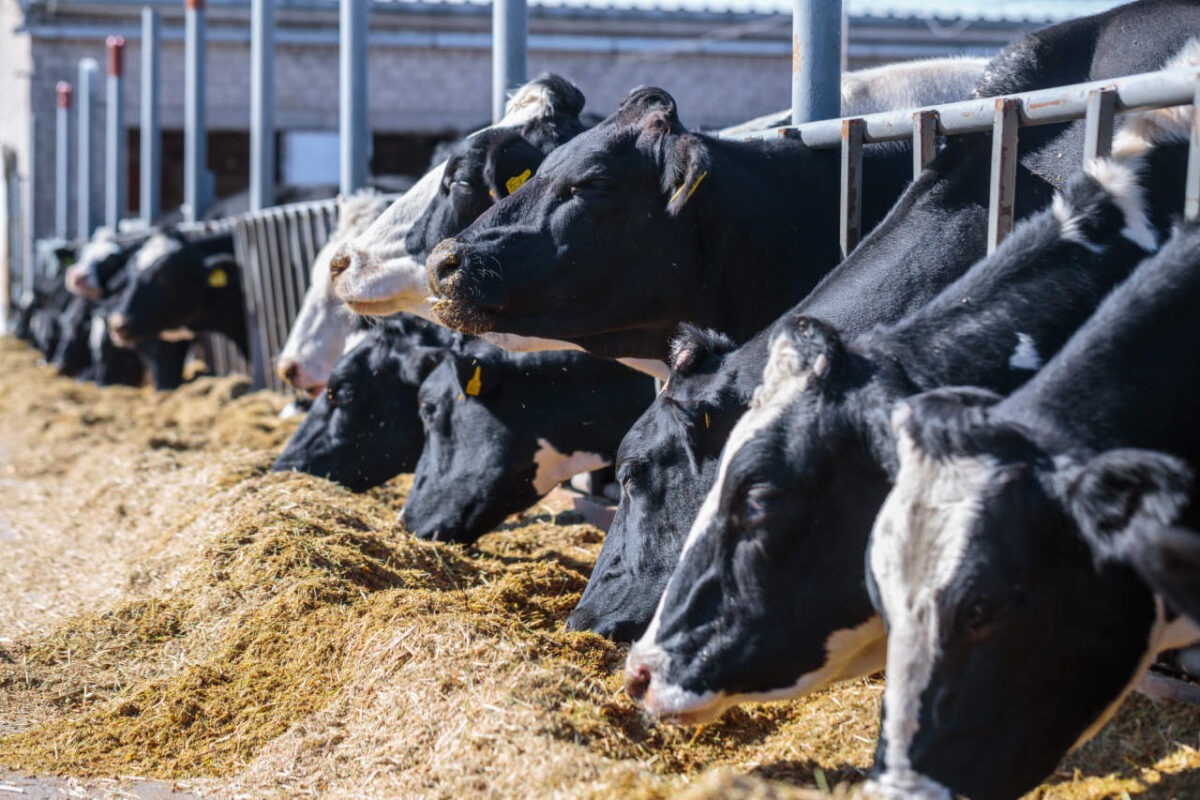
181	613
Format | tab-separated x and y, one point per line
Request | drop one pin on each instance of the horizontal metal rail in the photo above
1098	102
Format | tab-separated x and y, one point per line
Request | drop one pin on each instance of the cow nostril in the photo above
637	681
339	264
287	371
445	260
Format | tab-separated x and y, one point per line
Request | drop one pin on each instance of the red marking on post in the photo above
116	46
195	5
64	91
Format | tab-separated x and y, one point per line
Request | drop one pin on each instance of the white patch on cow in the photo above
668	700
97	333
1025	354
156	247
82	277
1070	224
319	333
554	467
354	340
531	344
1120	179
292	410
905	785
917	547
182	334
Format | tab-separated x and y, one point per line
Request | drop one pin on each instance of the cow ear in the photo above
685	168
510	163
651	109
692	346
473	378
803	354
219	270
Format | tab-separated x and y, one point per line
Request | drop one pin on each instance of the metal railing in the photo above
276	248
1098	102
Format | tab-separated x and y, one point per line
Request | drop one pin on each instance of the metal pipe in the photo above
262	104
816	60
510	28
355	132
84	220
116	198
62	161
195	133
1043	107
150	168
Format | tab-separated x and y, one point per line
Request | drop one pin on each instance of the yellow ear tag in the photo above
217	278
517	181
475	385
705	420
691	191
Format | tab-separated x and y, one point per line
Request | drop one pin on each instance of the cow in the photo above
701	229
319	332
935	231
502	429
101	260
1021	560
178	287
363	429
784	529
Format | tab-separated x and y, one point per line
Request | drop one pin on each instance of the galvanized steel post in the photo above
509	32
150	168
816	60
116	199
62	161
262	104
354	130
84	220
195	134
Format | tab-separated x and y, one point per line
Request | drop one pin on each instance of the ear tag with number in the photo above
517	181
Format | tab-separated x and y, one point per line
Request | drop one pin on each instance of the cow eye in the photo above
982	618
427	412
461	186
629	474
757	505
340	395
590	186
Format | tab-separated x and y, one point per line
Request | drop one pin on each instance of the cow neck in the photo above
751	225
1127	378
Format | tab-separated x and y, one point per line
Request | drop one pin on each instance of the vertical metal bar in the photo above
355	131
62	161
816	60
31	217
116	198
1004	171
262	104
924	144
1191	206
509	33
1098	130
195	133
84	220
851	194
150	168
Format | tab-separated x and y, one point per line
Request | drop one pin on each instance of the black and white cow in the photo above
1001	561
503	429
364	429
935	231
179	287
782	534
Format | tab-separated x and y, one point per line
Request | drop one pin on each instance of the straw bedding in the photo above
174	610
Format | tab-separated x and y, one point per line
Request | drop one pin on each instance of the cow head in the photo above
768	599
665	464
363	428
98	259
171	284
996	608
382	269
624	194
477	467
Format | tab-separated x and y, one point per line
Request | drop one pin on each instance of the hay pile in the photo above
179	612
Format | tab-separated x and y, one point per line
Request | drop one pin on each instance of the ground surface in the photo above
173	611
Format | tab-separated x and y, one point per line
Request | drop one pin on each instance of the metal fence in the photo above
1098	102
276	248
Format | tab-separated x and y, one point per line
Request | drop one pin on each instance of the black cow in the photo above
364	428
503	429
935	231
807	467
1011	559
179	287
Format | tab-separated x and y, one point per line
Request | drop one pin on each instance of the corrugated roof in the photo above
973	10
